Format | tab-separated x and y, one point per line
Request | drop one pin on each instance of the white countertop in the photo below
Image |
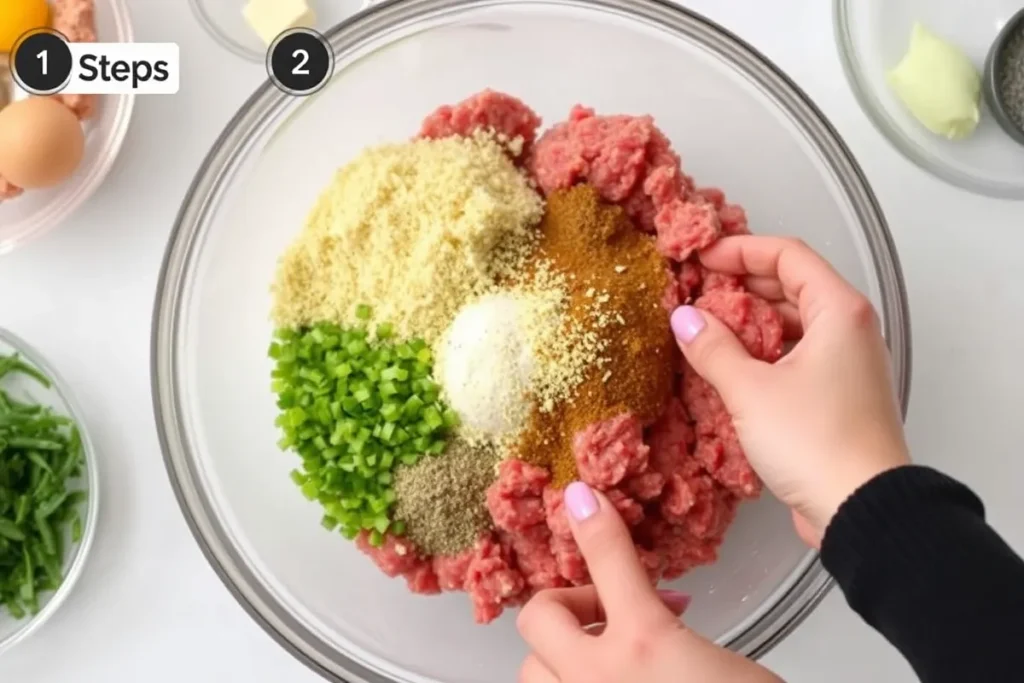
150	608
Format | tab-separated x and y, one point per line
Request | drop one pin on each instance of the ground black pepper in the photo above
1011	76
443	499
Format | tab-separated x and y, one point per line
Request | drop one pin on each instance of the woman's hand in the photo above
638	635
823	420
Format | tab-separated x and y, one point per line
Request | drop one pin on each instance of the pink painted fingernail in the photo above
581	501
675	601
687	322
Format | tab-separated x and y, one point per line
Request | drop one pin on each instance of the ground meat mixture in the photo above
514	500
395	557
630	162
536	559
492	581
608	451
751	318
451	570
487	110
689	281
717	446
731	217
678	481
671	299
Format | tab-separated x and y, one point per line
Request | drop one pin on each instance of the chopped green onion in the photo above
41	457
354	407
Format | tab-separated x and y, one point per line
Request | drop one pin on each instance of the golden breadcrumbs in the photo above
413	230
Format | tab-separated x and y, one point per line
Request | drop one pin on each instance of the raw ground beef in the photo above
691	276
607	452
631	162
452	569
395	557
710	281
678	482
670	439
492	581
751	318
497	111
399	557
515	499
535	558
732	217
672	297
717	446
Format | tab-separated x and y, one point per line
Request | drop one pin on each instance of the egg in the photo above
41	142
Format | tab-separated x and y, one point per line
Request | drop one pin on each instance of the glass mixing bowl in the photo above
738	123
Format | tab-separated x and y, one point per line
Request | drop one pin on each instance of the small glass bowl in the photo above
58	396
873	35
37	211
223	20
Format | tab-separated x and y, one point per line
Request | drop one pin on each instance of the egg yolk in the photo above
18	17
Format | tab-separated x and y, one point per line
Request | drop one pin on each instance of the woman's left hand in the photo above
642	638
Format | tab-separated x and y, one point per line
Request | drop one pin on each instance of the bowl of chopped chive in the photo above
48	491
1004	77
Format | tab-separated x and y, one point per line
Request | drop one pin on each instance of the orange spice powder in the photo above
615	277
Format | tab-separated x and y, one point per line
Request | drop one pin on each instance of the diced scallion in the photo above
354	407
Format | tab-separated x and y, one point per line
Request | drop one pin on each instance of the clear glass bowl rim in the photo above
216	172
890	131
77	564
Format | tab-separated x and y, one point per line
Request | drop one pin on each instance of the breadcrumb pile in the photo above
416	228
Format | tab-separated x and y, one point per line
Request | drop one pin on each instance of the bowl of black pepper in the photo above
1004	77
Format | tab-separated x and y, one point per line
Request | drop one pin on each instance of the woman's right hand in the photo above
824	419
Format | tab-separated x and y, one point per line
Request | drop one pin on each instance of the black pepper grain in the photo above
1011	76
443	499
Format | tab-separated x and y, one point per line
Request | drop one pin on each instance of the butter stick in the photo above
269	18
939	85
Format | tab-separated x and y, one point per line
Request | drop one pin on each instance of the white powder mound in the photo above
485	364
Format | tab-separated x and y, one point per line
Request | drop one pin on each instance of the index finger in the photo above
808	281
607	547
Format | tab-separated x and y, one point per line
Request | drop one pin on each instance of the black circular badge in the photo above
300	61
42	62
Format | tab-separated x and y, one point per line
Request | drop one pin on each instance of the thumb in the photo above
711	348
604	540
807	532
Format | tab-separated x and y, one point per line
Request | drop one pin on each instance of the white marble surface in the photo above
150	608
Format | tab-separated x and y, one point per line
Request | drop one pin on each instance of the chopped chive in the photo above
40	457
353	407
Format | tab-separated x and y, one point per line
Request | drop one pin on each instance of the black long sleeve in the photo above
915	558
